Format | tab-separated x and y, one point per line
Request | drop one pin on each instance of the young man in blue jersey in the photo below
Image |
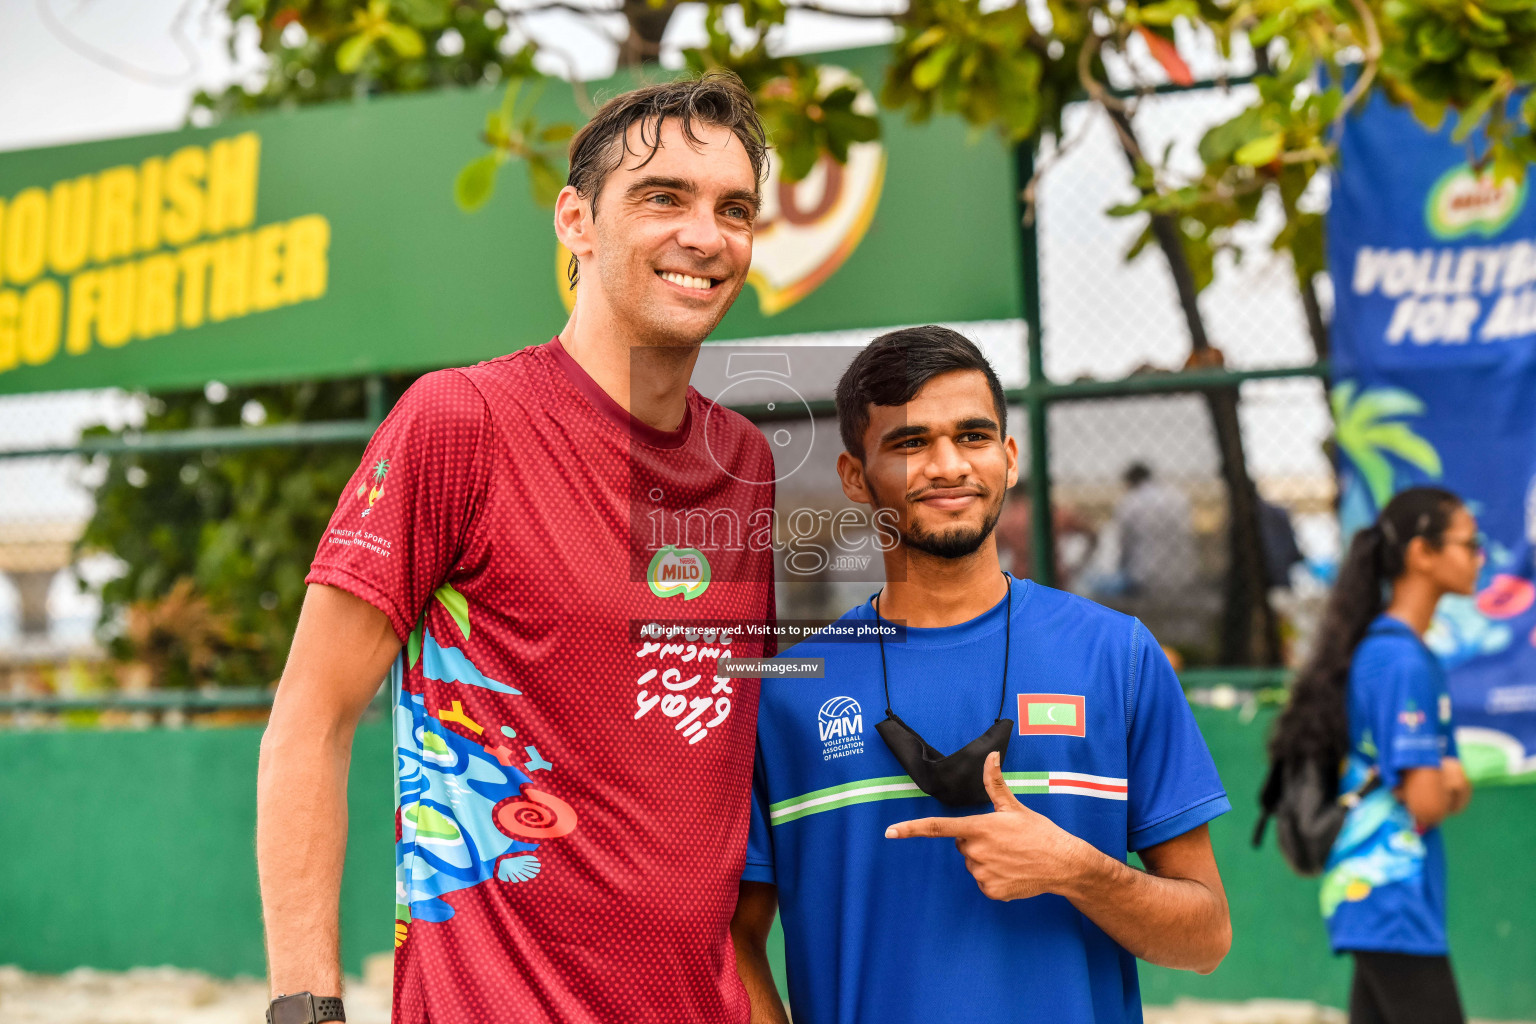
945	815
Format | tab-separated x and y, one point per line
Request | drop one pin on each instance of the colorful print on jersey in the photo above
467	811
1377	846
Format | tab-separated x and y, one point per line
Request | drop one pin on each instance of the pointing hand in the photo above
1013	852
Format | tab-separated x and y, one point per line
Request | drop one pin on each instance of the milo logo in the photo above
1463	202
675	570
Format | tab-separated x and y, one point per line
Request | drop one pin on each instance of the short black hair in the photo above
894	368
1136	474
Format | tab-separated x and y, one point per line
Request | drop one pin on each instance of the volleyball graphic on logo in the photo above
839	707
840	718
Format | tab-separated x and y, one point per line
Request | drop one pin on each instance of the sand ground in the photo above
168	995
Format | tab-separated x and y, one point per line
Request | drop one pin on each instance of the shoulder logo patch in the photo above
1052	714
380	470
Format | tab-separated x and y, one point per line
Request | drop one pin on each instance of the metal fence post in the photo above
1042	561
373	387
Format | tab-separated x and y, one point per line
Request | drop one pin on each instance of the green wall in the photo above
130	848
136	848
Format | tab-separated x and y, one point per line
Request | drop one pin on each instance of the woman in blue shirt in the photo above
1373	698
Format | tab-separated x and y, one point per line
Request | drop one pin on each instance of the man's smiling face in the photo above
673	233
942	462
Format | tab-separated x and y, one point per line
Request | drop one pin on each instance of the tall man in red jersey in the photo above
572	804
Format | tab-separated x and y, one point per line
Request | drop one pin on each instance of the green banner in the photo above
326	242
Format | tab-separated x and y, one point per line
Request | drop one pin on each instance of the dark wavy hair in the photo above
716	98
1315	724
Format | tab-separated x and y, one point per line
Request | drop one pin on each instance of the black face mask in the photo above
956	779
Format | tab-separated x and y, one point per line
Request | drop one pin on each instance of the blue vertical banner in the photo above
1434	362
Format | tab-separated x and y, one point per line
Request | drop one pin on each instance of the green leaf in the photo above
429	14
1437	41
1146	238
1508	165
457	605
1268	28
849	127
1430	115
1167	11
797	155
559	132
1261	151
1225	139
1472	115
1483	65
413	644
1130	209
930	38
929	71
1482	19
544	180
475	183
350	54
498	128
404	40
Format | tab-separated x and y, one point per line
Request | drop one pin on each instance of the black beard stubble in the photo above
955	543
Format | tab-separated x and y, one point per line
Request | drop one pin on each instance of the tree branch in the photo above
559	5
1063	147
835	13
1372	58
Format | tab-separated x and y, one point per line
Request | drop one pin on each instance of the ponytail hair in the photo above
1315	724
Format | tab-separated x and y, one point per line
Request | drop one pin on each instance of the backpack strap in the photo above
1269	799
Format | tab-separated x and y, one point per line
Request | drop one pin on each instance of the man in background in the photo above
1157	536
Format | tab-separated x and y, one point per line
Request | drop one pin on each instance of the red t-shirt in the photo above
573	799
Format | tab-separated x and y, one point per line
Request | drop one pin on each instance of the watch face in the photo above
292	1010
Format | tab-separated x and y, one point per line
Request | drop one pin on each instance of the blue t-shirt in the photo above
893	930
1384	886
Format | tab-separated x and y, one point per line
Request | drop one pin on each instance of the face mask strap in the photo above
1002	698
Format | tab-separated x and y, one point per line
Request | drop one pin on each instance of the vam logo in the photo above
841	725
675	570
1463	202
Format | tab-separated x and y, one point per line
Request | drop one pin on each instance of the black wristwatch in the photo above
303	1008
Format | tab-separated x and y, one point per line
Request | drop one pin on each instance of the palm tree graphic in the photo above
1368	430
380	468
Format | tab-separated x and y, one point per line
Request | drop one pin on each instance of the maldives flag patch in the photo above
1051	714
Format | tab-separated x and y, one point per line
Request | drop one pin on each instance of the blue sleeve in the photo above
759	866
1402	703
1172	785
